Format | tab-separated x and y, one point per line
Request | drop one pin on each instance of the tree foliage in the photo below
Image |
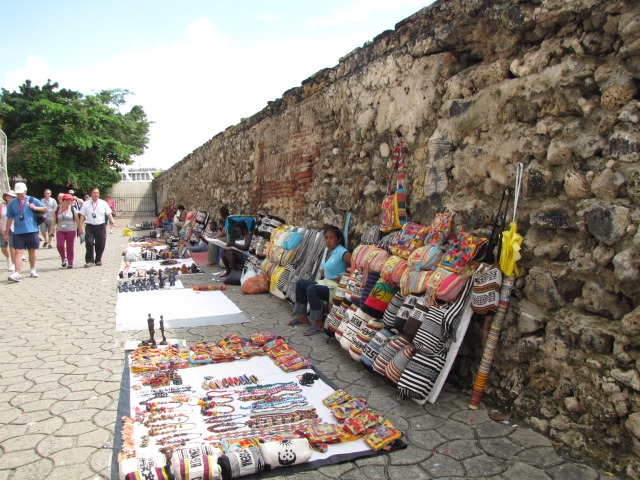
59	137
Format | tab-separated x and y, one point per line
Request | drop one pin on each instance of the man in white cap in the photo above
21	214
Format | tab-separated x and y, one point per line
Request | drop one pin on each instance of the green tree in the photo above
61	138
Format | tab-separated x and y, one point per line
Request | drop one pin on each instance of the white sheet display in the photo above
267	373
181	308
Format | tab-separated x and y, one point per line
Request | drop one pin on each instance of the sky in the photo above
196	66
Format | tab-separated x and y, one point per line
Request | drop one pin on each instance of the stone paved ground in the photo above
61	364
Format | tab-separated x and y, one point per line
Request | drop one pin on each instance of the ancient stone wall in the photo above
475	87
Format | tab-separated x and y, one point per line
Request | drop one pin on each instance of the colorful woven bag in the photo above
394	208
440	228
485	293
393	269
371	351
393	346
390	313
398	363
410	237
379	298
404	312
461	250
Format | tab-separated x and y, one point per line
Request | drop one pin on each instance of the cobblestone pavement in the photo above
62	361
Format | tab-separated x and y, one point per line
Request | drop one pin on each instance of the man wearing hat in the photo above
21	214
7	247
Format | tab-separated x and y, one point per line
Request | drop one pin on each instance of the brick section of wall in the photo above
285	178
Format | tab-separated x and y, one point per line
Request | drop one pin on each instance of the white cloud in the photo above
177	84
35	69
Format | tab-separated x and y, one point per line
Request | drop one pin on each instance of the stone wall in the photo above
475	87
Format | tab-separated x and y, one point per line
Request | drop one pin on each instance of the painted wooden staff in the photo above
492	343
510	254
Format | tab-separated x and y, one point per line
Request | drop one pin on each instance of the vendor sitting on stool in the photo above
336	261
232	258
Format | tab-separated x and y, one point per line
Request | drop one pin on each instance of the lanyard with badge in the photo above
94	206
21	208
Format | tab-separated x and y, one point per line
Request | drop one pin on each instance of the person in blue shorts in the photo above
21	214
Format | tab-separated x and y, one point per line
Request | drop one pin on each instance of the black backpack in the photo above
40	216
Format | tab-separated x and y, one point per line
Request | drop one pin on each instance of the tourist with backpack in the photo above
21	213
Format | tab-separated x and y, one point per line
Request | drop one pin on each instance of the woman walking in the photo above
65	224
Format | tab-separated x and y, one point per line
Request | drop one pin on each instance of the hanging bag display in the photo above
485	294
394	208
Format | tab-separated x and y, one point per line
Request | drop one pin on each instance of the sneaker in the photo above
45	245
69	266
49	246
23	258
111	231
64	263
98	264
34	274
87	265
15	277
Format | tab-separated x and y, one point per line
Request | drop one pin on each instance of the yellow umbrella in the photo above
510	252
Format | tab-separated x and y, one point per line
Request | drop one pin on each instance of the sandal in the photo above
294	322
312	331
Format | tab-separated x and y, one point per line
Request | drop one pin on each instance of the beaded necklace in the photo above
282	418
149	419
168	428
213	412
166	392
277	405
226	427
179	440
264	433
223	418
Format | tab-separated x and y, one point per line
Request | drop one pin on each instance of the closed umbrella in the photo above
509	255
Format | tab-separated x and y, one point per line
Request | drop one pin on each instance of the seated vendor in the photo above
232	258
203	244
213	252
335	262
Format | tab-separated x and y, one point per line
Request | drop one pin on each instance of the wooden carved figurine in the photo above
164	339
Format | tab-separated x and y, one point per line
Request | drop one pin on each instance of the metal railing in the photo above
135	204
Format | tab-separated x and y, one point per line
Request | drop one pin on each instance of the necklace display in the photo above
166	411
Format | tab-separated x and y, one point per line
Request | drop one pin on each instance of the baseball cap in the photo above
71	192
66	196
20	187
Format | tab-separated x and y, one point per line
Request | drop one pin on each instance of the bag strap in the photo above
398	159
499	224
394	169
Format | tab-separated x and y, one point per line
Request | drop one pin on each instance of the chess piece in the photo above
161	279
184	269
172	278
151	322
164	339
194	268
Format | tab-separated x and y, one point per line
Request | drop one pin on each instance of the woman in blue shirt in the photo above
336	260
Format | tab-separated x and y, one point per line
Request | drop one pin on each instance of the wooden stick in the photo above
492	343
